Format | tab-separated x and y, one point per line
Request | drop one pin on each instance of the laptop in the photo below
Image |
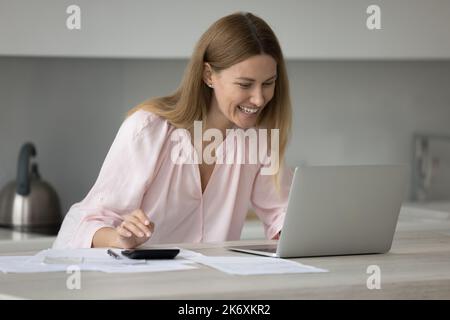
339	210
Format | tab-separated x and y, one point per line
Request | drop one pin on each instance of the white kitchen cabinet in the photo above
307	29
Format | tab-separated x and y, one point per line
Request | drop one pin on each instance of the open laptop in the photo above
339	210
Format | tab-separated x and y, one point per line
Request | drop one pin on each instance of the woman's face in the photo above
241	91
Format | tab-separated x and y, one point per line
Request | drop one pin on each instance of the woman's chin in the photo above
246	121
245	124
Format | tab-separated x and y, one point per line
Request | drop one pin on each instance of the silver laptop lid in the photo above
338	210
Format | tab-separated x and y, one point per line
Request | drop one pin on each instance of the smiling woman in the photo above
242	91
236	76
236	79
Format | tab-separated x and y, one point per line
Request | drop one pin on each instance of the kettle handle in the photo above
23	178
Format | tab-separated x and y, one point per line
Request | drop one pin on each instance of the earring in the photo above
210	85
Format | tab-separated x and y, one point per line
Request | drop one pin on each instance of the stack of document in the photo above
97	259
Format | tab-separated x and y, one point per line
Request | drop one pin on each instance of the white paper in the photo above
19	264
151	266
82	256
95	259
255	265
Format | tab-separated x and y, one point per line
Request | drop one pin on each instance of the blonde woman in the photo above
236	79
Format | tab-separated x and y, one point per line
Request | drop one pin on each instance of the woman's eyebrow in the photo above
250	79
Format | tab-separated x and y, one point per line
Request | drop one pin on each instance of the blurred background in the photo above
360	96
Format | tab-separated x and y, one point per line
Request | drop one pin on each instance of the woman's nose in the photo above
257	98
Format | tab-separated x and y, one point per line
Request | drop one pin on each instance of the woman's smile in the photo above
248	110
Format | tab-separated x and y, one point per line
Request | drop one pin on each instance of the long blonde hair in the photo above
230	40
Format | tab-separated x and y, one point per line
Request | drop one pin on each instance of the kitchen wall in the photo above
345	112
307	29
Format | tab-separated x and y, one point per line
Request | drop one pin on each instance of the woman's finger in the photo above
144	219
123	232
134	229
140	225
141	216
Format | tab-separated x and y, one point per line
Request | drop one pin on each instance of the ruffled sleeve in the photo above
127	170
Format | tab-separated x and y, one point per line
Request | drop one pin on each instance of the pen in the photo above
113	254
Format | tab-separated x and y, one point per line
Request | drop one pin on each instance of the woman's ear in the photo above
207	74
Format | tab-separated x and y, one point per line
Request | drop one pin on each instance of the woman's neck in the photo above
216	119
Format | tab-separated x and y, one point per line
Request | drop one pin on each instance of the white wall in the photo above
363	112
317	29
344	112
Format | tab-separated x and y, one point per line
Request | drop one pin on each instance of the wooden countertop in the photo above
417	267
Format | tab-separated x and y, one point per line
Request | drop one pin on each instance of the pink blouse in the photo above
138	172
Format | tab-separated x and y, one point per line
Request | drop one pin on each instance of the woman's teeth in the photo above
248	110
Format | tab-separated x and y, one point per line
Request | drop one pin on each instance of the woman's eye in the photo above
247	85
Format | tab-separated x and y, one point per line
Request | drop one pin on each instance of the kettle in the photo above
29	204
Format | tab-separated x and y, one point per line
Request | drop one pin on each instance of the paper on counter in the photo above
19	264
81	256
94	259
188	254
255	265
97	259
151	266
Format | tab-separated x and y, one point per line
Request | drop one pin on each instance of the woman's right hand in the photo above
134	230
